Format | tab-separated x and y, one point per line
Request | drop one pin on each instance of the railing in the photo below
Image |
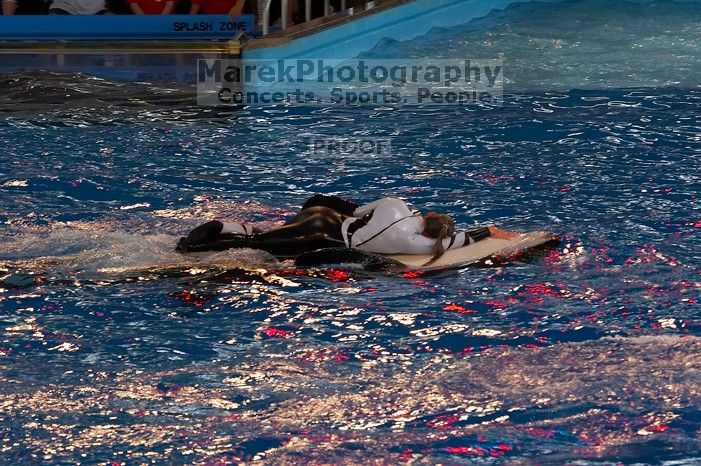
266	15
307	7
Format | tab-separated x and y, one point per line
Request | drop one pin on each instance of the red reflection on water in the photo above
337	275
187	297
648	253
458	308
553	257
443	422
493	178
496	304
541	433
273	332
472	451
540	289
657	428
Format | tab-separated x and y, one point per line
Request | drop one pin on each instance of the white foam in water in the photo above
99	253
125	245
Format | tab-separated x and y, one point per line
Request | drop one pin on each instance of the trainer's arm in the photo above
472	236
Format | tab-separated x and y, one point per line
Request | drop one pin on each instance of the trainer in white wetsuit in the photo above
388	226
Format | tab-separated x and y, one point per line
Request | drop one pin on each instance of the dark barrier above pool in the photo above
114	27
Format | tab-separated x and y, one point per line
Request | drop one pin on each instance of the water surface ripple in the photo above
115	349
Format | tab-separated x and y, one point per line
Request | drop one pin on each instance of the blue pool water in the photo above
589	356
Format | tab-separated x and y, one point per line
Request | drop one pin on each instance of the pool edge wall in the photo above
125	48
402	22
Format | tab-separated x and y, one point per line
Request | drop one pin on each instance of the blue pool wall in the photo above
123	27
404	22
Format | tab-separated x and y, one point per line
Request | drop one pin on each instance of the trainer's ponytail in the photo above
438	226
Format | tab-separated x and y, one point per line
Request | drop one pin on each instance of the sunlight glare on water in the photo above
115	348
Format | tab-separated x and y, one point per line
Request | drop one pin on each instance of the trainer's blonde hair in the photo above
438	226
